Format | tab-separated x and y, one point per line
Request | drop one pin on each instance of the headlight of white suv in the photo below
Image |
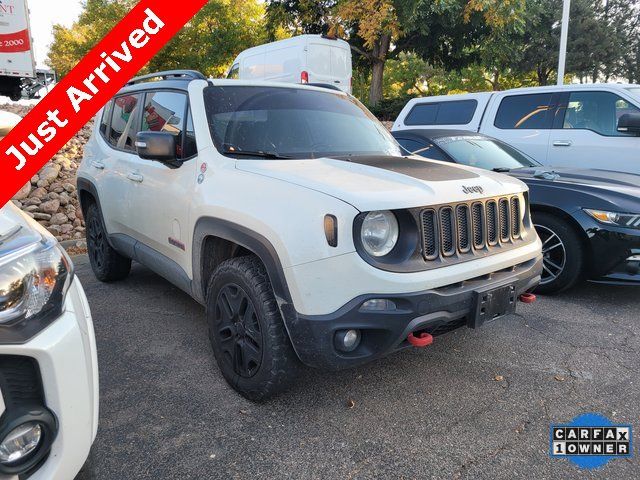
379	233
626	220
33	284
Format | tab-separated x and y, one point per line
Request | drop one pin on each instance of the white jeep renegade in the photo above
291	214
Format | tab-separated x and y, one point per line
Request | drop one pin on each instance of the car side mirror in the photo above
629	123
158	146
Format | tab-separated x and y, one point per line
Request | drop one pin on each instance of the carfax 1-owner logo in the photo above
591	440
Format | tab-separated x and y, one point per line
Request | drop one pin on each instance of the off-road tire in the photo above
237	286
572	246
107	264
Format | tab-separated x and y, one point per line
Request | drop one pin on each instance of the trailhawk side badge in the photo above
472	189
591	440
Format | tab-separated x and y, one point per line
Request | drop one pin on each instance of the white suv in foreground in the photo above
48	362
291	214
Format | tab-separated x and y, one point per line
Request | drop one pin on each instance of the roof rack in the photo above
169	74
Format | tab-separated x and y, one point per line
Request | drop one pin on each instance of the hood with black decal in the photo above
586	188
385	182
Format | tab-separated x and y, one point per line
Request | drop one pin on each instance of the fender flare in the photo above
86	185
252	241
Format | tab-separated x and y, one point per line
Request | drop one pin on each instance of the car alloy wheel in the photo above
554	254
97	243
238	330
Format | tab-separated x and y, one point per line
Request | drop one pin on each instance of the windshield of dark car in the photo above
482	152
293	122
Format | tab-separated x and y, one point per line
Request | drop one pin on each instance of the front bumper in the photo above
436	311
65	359
615	254
627	272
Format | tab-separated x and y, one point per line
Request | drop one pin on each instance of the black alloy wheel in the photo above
107	264
96	242
239	332
247	334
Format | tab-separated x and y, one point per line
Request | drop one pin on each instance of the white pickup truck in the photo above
592	126
19	77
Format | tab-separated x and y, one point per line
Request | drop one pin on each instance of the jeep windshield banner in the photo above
87	88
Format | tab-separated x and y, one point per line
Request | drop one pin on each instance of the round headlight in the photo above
21	442
379	233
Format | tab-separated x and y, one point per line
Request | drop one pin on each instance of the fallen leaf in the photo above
560	378
498	378
351	403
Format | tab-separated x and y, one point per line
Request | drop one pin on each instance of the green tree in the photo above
299	17
97	18
209	42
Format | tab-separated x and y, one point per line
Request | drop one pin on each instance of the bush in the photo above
389	108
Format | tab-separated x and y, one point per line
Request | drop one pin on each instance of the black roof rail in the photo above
169	74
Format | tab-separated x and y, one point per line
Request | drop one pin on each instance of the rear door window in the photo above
597	111
340	62
125	122
525	112
319	59
165	112
444	113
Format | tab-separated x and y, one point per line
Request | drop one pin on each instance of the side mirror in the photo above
629	123
159	146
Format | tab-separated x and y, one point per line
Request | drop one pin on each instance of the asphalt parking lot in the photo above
477	404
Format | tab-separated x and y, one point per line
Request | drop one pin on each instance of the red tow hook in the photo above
527	298
422	340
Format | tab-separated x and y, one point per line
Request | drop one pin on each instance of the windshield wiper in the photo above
502	170
257	153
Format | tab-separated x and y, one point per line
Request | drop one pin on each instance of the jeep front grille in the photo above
447	227
515	217
464	228
430	235
503	205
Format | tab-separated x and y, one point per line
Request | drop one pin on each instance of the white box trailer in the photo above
19	77
315	59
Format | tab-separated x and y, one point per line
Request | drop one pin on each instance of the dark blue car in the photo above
588	220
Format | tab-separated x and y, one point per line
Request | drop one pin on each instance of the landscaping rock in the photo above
50	196
50	207
59	219
24	192
39	193
49	173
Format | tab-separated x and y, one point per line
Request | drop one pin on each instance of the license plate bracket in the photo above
493	303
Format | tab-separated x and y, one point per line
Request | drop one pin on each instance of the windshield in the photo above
635	91
293	123
482	152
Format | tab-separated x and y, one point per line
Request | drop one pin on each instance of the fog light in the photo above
21	442
378	305
347	340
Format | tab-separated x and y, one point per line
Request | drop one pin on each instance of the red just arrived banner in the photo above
87	88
